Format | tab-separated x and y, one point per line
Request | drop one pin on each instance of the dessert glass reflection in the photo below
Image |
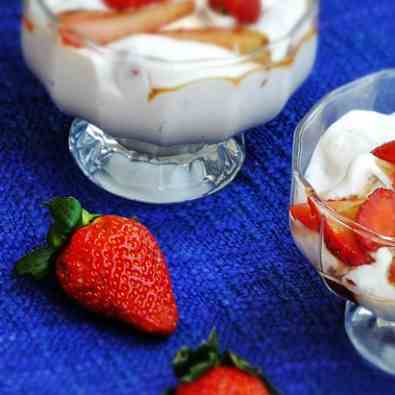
163	92
342	213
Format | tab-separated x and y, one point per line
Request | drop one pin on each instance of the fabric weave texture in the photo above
232	260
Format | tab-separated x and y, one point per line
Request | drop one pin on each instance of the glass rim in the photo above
296	156
310	13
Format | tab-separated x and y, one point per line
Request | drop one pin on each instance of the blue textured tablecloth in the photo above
232	260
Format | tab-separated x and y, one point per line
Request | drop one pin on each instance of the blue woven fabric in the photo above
232	260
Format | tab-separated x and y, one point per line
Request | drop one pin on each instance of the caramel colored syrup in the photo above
264	63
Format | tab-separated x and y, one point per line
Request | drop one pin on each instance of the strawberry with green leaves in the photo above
110	265
208	371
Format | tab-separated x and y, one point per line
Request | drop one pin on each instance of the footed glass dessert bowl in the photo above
164	89
342	213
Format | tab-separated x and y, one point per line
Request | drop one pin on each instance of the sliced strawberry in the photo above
125	4
218	5
391	273
340	240
378	215
28	24
244	11
386	152
307	214
388	168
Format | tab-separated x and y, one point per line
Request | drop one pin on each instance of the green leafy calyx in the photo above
68	216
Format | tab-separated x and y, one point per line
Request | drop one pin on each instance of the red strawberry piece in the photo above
378	215
340	239
110	265
218	5
208	371
307	214
28	24
244	11
342	242
125	4
391	273
386	152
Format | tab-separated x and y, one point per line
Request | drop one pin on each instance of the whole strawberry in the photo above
209	372
111	265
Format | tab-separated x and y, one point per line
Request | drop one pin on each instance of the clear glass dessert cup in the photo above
157	131
369	319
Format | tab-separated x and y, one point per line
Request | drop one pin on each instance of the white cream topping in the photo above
342	166
373	279
58	6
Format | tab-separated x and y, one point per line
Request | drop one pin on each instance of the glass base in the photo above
373	337
154	174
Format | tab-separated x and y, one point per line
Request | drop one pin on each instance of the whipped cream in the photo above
342	167
373	279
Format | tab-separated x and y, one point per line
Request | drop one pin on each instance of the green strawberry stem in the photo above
189	365
68	216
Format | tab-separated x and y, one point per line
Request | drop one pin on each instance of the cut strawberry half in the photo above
244	11
391	273
386	152
218	6
307	214
378	215
341	240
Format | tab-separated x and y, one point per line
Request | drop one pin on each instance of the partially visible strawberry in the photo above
28	24
386	152
111	265
244	11
208	371
307	214
391	273
218	5
340	239
125	4
342	242
378	215
105	27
